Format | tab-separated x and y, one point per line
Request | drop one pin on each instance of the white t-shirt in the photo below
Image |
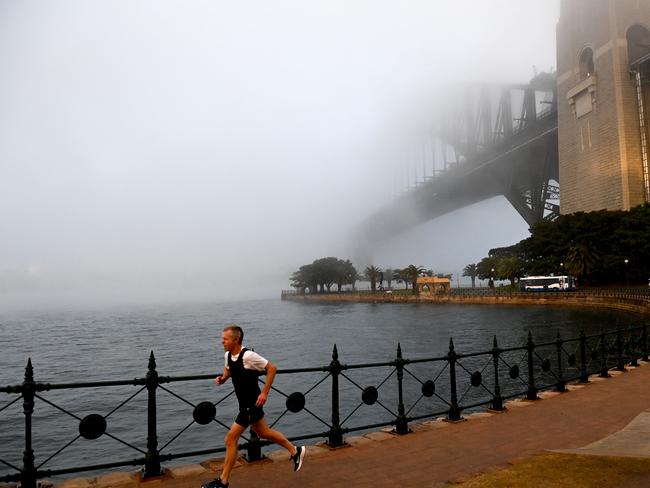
252	360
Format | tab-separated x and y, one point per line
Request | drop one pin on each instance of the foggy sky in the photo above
181	150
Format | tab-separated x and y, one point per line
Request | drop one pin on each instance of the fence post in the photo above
497	400
632	343
401	424
335	435
454	410
584	374
152	457
561	383
644	339
620	365
254	447
531	394
603	356
28	474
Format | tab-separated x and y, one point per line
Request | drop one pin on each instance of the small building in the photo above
432	285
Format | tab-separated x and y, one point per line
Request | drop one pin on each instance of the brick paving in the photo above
438	452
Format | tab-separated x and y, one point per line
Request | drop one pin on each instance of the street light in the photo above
627	280
492	277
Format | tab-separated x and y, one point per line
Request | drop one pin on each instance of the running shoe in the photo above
298	457
215	483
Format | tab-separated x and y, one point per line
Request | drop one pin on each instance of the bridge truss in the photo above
491	140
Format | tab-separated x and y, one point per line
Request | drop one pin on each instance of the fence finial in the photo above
152	361
29	370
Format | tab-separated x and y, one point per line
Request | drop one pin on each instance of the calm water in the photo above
76	345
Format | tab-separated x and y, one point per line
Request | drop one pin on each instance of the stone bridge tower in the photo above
603	68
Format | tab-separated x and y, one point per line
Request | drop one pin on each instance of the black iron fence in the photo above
337	398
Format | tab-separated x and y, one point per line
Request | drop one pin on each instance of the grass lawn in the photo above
553	470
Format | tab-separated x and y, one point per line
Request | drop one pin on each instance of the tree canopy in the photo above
590	246
323	273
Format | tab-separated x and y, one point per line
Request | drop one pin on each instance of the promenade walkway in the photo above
438	452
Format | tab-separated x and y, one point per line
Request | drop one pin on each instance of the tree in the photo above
399	276
346	274
305	278
484	269
323	273
510	269
372	274
580	259
411	273
389	275
471	270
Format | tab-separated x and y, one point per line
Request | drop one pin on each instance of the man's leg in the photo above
232	439
265	432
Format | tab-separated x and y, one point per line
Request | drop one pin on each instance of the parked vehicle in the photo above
547	283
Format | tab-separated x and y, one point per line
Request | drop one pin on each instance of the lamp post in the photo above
627	279
561	269
492	277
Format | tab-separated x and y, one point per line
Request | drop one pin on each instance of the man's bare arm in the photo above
271	369
222	378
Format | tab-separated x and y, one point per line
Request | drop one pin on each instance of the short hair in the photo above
237	331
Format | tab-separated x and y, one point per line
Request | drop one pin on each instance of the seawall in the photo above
628	302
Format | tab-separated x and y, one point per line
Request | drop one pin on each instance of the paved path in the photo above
437	452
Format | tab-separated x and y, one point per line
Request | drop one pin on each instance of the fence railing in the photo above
359	397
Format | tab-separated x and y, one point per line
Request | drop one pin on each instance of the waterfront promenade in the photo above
437	452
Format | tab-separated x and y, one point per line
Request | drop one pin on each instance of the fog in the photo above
204	150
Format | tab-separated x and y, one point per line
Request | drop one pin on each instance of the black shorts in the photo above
248	416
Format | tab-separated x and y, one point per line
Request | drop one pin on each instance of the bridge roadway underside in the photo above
518	168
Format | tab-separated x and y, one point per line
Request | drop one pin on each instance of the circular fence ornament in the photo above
476	379
428	388
514	372
572	359
92	426
369	395
295	402
546	365
204	413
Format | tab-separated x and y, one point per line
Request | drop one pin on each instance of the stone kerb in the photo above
623	303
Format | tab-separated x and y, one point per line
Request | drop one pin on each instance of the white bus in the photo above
546	283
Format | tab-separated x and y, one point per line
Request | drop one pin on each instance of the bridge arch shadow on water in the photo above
324	402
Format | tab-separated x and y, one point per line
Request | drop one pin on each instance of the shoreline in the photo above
638	304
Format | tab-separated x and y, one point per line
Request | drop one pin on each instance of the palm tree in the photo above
372	273
580	259
412	272
399	277
471	270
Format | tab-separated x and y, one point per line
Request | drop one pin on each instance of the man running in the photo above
244	367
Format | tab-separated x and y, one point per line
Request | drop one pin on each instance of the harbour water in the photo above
80	345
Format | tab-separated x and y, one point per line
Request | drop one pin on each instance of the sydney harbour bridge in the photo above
500	140
504	140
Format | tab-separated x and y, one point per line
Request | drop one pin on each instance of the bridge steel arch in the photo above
494	154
